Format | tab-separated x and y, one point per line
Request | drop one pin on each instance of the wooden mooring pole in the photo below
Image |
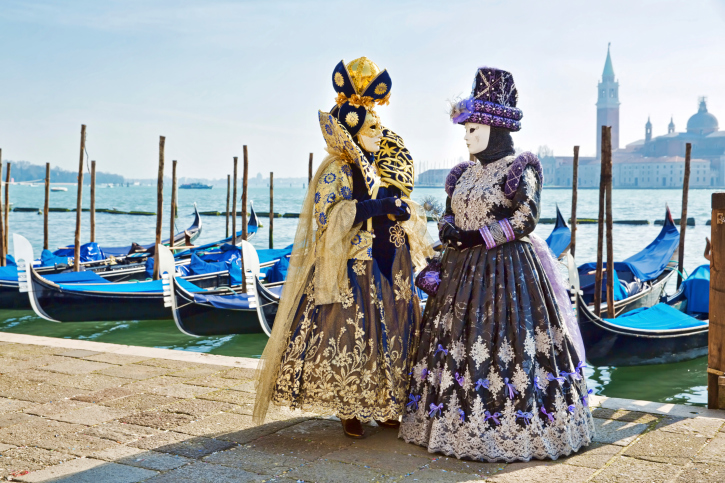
173	204
716	333
574	186
245	177
7	212
271	210
600	230
683	216
309	173
234	204
45	206
93	201
159	205
79	200
2	222
607	162
229	186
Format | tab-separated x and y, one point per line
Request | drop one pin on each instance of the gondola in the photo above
560	237
645	331
114	268
223	311
639	280
96	299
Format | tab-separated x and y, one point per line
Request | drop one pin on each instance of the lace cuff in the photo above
497	233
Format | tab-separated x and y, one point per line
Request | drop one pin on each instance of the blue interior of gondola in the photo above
560	237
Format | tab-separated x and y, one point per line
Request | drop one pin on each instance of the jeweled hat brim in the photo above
486	112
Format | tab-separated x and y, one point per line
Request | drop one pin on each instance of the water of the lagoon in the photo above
673	383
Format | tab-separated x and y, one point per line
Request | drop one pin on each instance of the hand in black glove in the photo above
459	239
385	206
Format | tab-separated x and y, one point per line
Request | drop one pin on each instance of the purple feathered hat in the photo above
493	101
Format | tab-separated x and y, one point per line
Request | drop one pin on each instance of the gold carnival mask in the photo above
370	133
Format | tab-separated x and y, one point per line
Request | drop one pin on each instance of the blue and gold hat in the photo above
360	86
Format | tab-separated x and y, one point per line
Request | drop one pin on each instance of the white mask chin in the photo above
477	136
370	144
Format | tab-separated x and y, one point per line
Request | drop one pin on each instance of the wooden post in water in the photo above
309	173
93	201
683	216
600	230
574	186
229	186
245	176
45	206
271	210
716	333
79	211
2	222
607	162
173	203
7	212
234	204
159	204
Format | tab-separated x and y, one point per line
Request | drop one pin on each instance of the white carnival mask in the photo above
477	136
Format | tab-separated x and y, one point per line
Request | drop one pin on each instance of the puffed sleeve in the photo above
334	186
525	214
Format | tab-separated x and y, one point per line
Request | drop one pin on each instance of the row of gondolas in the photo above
229	287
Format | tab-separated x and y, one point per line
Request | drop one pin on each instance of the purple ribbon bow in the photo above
551	377
572	408
585	399
565	374
423	374
536	383
487	415
462	415
510	387
435	409
440	349
550	416
482	382
413	401
580	369
460	379
525	415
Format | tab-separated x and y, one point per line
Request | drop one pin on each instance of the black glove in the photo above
460	239
385	206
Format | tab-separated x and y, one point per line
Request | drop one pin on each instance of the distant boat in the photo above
58	188
195	186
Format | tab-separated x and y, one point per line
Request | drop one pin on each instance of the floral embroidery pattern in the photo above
479	352
402	287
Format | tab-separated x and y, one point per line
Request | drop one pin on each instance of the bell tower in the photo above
608	104
648	131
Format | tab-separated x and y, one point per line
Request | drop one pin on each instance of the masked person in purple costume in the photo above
499	374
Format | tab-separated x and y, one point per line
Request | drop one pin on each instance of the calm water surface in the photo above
673	383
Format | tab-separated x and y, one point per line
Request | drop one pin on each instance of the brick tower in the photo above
608	105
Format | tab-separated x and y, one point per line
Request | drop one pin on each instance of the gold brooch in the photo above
397	235
398	203
381	88
339	79
351	119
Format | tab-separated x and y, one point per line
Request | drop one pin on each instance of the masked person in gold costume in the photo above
349	315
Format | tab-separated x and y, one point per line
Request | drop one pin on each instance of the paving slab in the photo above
105	395
663	447
111	358
93	415
26	458
706	427
330	471
624	415
714	451
206	473
11	419
239	398
174	365
259	462
201	370
140	402
198	408
429	475
215	425
57	408
183	390
76	366
86	470
702	473
388	463
252	434
215	381
158	419
5	447
35	430
159	440
542	471
596	455
132	371
309	440
623	469
388	441
78	353
91	382
13	405
142	458
78	444
120	432
38	392
246	386
239	373
195	447
479	469
620	433
21	363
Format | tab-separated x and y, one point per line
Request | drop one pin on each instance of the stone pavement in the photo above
79	411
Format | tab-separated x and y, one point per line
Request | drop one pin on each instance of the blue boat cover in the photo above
697	290
658	317
230	302
151	286
9	272
274	254
560	236
76	277
620	288
90	252
278	272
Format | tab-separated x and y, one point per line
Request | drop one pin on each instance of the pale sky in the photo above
213	75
